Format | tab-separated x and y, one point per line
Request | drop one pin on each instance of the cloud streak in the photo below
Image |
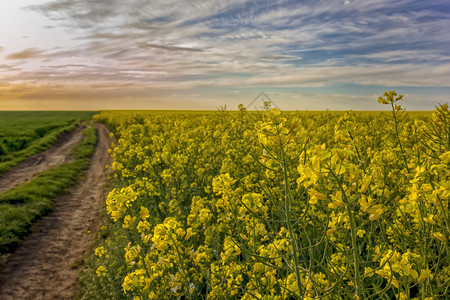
169	48
26	54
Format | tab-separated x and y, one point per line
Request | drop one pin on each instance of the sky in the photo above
204	54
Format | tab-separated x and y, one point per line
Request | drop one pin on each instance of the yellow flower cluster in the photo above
272	205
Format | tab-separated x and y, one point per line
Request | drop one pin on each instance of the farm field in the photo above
275	205
23	134
211	149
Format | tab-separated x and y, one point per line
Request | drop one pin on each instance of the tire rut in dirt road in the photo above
45	266
40	162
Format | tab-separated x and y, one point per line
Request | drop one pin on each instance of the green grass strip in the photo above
21	206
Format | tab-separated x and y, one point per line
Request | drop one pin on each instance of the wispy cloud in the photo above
26	54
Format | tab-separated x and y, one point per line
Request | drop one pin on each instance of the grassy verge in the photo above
21	206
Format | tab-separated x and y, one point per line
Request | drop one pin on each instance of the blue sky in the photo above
199	54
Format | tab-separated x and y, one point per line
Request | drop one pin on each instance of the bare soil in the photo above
40	162
46	266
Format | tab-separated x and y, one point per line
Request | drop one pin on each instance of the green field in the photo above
23	133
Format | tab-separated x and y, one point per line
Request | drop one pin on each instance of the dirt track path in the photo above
45	266
40	162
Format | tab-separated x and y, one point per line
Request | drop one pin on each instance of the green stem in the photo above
358	286
351	217
288	208
398	138
182	266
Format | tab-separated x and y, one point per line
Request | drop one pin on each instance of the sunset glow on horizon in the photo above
201	54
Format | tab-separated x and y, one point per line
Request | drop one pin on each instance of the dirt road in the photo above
46	265
37	163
